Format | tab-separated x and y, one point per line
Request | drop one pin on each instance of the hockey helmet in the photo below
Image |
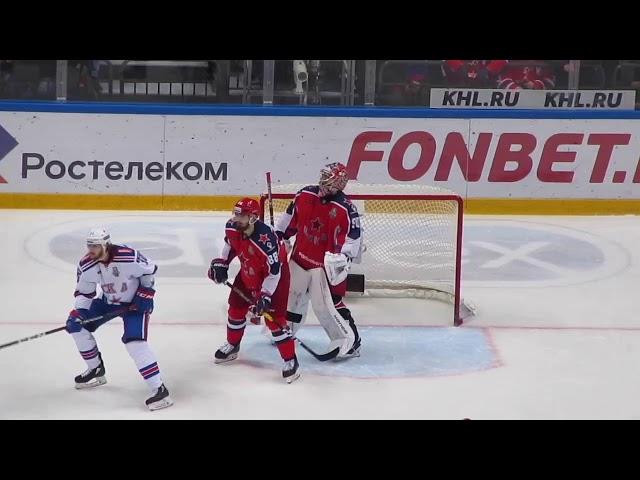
98	236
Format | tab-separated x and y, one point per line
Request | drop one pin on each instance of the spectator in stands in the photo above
414	88
472	73
527	74
83	79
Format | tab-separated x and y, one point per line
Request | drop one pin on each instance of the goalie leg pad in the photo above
336	327
298	301
346	314
354	351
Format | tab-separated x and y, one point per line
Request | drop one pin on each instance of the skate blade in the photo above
342	358
292	378
96	382
230	358
160	404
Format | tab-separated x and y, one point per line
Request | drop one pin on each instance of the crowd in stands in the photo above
407	82
398	82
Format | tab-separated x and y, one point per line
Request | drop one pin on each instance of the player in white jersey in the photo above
126	279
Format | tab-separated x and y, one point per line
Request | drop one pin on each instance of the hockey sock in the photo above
87	347
235	330
146	363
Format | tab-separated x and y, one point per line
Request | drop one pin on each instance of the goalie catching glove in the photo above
337	266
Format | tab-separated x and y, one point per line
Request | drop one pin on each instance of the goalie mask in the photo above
333	179
245	212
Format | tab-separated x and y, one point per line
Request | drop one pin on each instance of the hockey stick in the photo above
107	316
271	218
270	198
256	319
323	357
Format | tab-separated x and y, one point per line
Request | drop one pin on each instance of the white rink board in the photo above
228	155
623	158
69	137
293	148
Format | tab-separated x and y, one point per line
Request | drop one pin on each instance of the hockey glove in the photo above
75	316
263	305
285	239
218	271
143	300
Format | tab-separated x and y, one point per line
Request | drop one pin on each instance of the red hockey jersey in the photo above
321	224
261	256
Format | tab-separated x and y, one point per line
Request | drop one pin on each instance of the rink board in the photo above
156	157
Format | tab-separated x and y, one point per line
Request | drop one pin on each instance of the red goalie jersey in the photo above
321	224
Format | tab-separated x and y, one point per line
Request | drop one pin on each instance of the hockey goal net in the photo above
412	236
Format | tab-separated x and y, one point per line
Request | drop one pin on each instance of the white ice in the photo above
556	335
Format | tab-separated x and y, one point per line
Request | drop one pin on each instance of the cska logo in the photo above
333	213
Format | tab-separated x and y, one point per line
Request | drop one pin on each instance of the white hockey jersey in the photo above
118	276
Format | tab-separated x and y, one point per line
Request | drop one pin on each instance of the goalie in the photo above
328	237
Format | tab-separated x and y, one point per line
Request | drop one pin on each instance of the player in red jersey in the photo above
263	277
328	238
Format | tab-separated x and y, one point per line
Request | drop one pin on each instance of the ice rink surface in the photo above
556	335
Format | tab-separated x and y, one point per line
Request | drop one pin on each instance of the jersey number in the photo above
273	258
